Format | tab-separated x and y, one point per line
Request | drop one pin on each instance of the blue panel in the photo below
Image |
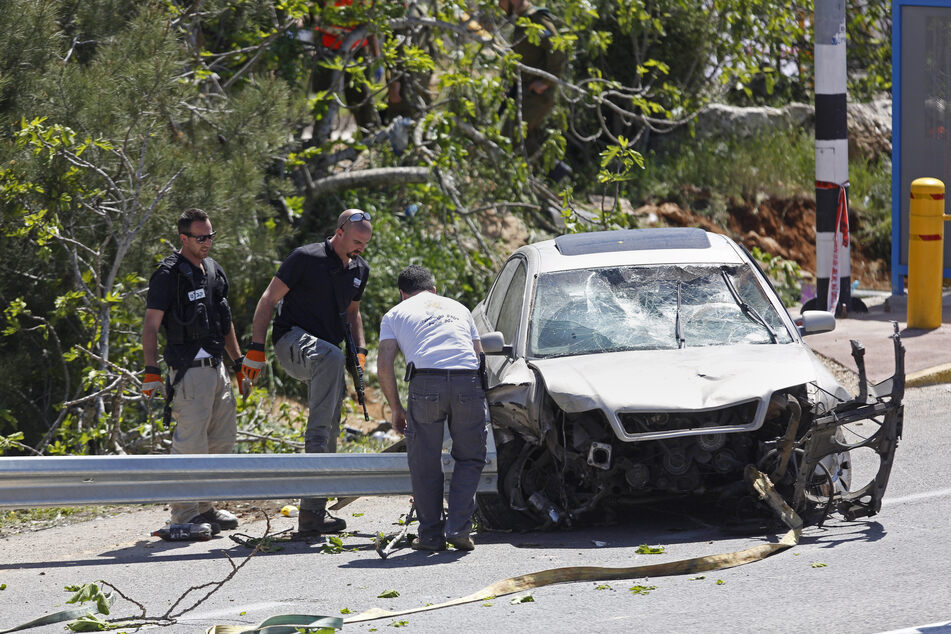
899	263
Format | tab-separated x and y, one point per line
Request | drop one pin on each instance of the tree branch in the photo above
375	177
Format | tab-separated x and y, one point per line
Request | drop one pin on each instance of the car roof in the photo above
631	247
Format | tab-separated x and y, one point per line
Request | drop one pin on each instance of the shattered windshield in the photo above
650	308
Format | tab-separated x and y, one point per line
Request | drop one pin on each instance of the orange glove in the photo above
244	383
362	358
253	361
152	381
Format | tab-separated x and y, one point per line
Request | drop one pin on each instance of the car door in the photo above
487	312
502	311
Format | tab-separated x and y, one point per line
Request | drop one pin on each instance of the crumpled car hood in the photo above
670	380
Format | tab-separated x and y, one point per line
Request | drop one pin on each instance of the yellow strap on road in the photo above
757	480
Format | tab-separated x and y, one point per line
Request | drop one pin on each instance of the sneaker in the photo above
319	522
461	542
200	520
430	546
224	519
185	532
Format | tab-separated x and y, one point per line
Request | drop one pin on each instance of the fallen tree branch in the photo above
374	177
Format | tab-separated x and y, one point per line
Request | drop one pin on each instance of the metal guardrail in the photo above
73	480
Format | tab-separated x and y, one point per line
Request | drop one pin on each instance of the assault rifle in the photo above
353	366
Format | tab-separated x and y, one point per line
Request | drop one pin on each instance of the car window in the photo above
651	308
497	293
511	310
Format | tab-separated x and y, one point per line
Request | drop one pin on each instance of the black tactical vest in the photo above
199	316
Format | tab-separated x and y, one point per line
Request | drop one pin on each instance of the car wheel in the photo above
493	511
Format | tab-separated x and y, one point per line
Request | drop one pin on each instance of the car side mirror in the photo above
815	321
494	343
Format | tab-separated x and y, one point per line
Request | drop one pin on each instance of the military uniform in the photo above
543	56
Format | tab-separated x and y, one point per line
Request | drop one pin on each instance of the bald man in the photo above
319	286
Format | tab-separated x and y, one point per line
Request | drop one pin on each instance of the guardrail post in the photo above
925	252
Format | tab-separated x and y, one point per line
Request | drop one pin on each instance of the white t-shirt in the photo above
432	331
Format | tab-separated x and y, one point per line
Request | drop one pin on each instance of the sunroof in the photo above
632	240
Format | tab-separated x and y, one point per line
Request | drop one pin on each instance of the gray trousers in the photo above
205	422
320	364
460	401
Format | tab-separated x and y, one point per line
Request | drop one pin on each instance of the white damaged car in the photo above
630	365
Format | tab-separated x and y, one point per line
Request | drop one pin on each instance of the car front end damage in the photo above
572	450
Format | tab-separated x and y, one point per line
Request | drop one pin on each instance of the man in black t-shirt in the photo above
318	286
188	301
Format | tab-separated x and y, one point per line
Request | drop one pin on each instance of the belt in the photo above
213	362
445	373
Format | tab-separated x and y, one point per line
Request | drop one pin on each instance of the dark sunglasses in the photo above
356	217
203	238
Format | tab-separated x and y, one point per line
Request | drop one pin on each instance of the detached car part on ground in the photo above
632	366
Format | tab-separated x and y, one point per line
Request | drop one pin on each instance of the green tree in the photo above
110	145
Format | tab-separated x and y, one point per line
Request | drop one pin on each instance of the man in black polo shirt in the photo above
188	300
319	285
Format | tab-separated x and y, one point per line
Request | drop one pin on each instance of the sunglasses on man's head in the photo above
355	217
202	238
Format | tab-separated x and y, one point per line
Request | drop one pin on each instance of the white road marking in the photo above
933	628
927	495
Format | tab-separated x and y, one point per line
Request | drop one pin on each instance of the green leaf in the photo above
526	599
642	589
346	611
91	592
93	623
818	564
644	549
334	545
388	594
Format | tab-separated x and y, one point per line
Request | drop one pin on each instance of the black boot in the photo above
321	522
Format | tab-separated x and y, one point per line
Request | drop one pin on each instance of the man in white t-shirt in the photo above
442	350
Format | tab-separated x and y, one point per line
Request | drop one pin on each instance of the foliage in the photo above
870	206
109	147
90	592
785	275
17	517
868	30
116	116
645	549
778	162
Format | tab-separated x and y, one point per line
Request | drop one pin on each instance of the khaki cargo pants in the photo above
205	422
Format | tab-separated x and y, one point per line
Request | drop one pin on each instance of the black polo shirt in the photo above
314	274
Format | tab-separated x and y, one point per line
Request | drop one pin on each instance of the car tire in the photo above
492	509
493	514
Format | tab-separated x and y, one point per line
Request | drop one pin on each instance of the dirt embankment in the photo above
778	226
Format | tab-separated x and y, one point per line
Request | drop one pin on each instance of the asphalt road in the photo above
886	573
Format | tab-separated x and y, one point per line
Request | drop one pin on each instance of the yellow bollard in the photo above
925	252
